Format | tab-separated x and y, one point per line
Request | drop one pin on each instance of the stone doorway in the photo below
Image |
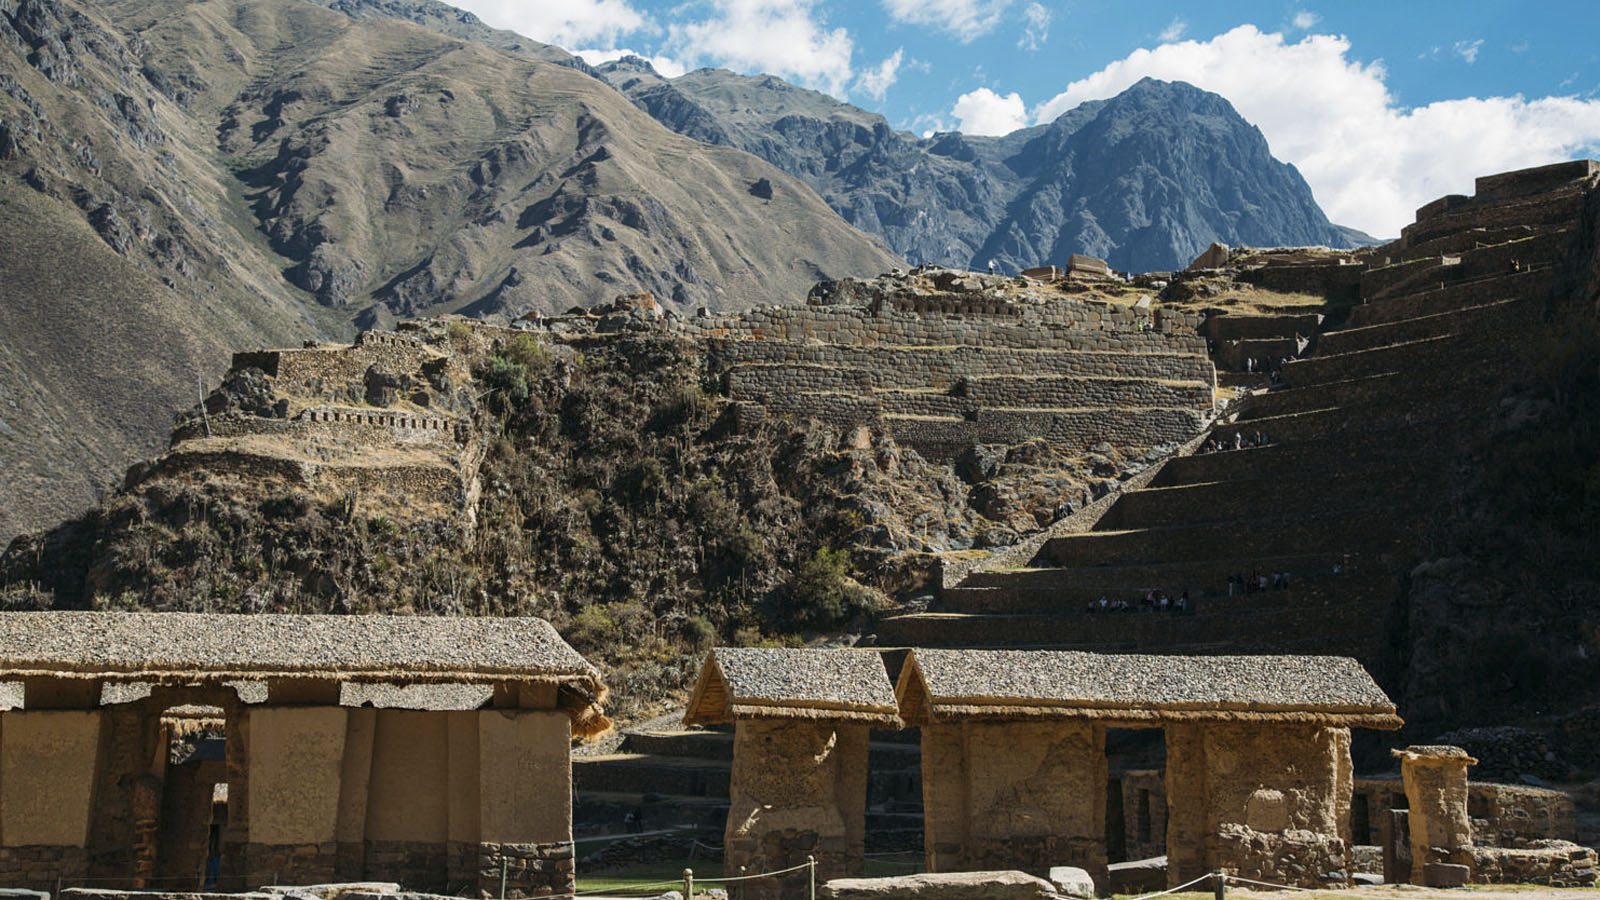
194	800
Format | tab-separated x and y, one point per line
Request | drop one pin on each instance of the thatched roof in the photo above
821	685
416	696
184	648
940	685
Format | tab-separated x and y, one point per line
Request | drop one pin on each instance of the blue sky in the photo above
1382	106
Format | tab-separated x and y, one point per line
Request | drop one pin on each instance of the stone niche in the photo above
1015	795
1267	801
798	789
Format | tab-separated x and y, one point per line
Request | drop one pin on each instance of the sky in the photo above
1381	106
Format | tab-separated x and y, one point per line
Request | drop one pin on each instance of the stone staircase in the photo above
1361	435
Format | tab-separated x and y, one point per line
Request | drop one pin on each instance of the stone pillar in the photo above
1269	801
1023	795
1435	779
798	788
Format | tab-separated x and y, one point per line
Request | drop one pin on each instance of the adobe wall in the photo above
798	788
1014	795
1435	780
47	758
1266	801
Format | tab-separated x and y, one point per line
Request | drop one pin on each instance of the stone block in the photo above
1445	874
1072	881
940	886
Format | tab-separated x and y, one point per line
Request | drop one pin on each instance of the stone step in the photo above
1262	623
1452	352
1225	501
1539	250
1351	452
1461	241
1356	530
1397	416
1069	599
1493	315
1552	208
651	773
1173	577
1535	283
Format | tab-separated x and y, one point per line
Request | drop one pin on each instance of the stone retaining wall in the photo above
1555	863
42	868
944	366
1453	297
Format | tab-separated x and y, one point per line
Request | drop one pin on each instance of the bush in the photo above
822	594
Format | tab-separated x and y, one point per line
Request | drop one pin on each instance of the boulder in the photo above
1445	874
1072	881
1214	257
23	894
941	886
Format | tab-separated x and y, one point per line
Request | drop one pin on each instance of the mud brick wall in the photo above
1555	863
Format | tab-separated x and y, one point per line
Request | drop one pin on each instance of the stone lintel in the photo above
303	691
52	692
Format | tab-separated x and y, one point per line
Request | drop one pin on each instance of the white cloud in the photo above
779	37
565	23
664	65
965	19
1305	20
1035	27
1468	50
1369	161
984	112
875	82
1173	31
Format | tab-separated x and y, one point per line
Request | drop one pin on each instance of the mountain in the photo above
1147	179
179	180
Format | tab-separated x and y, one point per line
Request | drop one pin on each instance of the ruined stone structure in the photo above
432	752
385	416
1365	421
1440	831
799	780
961	365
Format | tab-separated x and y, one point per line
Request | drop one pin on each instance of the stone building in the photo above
799	781
1258	775
428	751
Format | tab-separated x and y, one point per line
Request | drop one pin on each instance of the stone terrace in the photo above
1359	437
963	362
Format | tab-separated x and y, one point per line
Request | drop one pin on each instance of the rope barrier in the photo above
1289	887
804	865
1174	890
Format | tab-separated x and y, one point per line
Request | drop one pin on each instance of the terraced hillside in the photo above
1377	472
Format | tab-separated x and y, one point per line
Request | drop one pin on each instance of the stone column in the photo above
1435	779
798	789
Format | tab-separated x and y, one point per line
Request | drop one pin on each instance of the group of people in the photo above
1239	585
1238	442
1153	600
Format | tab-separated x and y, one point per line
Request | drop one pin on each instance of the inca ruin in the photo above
797	449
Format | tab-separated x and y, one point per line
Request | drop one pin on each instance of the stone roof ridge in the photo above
1134	689
152	646
787	683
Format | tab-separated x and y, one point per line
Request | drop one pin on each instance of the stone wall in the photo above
1555	863
1266	801
798	788
1334	280
946	366
1502	815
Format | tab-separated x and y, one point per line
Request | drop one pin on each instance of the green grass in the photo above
662	876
